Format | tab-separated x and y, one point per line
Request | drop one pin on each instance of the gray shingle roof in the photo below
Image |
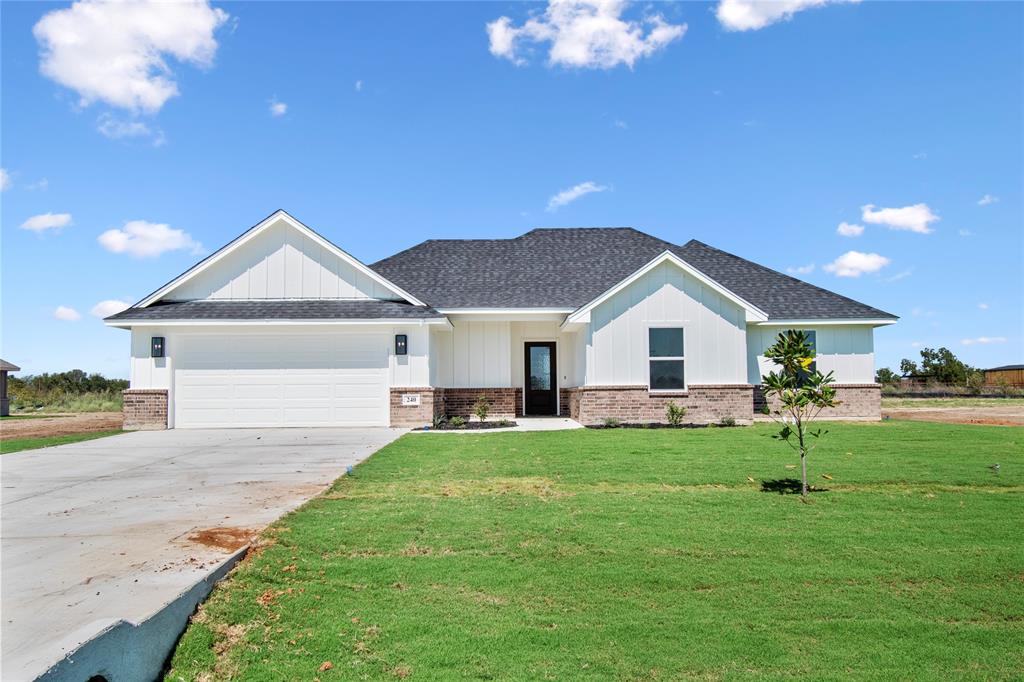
278	310
569	267
8	367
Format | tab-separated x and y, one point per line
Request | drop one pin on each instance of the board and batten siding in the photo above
715	331
473	354
846	350
565	357
277	264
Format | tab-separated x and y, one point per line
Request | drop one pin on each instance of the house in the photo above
1007	375
5	405
282	328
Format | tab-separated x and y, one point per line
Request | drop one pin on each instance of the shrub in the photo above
457	422
674	413
504	422
440	420
482	408
727	421
611	423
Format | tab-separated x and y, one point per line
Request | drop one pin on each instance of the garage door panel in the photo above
281	379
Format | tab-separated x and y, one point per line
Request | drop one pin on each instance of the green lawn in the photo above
639	555
18	444
952	402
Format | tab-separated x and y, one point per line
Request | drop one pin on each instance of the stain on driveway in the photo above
113	529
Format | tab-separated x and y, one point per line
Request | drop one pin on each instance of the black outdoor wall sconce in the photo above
156	347
401	344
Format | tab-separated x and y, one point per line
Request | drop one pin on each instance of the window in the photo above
666	358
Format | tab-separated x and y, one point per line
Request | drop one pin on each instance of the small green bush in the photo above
504	422
457	422
482	408
612	423
674	413
727	421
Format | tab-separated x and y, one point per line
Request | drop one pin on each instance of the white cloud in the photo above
359	86
278	108
850	230
567	196
588	34
984	340
983	306
117	129
916	344
916	218
965	233
619	123
801	269
143	239
751	15
899	275
67	314
47	221
115	52
5	179
855	264
987	200
921	155
921	312
108	308
41	184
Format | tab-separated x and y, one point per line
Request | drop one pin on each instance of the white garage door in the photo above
231	380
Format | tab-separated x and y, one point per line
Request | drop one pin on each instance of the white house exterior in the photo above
283	328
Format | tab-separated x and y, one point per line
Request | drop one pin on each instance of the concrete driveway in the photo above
109	530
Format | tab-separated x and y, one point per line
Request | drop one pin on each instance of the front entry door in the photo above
540	390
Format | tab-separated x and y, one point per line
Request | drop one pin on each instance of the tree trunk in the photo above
803	463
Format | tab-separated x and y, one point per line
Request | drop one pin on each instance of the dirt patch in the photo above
60	425
226	538
1010	414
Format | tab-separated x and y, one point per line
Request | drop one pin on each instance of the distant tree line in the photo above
938	366
74	390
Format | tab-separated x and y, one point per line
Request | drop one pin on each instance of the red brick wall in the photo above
857	402
591	405
145	409
416	415
460	402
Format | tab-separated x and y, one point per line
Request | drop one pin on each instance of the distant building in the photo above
1007	375
5	367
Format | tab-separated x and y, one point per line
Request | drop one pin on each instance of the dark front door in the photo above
540	392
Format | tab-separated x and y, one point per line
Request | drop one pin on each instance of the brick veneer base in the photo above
145	409
857	402
460	402
710	403
423	414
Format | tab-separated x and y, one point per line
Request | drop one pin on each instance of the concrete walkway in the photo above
523	424
109	530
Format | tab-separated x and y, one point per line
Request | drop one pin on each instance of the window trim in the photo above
649	357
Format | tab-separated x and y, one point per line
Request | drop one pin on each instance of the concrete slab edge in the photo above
131	652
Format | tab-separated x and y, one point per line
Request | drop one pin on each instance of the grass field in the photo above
639	555
19	444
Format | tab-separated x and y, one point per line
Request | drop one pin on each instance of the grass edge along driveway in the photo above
639	555
19	444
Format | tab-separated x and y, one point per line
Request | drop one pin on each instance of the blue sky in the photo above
381	125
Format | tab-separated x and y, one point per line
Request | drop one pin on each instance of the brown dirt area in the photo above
60	425
225	538
996	415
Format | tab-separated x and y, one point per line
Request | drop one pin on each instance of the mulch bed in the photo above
468	426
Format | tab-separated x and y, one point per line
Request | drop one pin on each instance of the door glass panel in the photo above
540	368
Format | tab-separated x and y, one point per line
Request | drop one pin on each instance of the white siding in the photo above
472	355
715	336
565	357
280	263
847	350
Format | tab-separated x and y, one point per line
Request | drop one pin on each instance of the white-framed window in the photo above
666	358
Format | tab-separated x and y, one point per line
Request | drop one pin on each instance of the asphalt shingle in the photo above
278	310
569	267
